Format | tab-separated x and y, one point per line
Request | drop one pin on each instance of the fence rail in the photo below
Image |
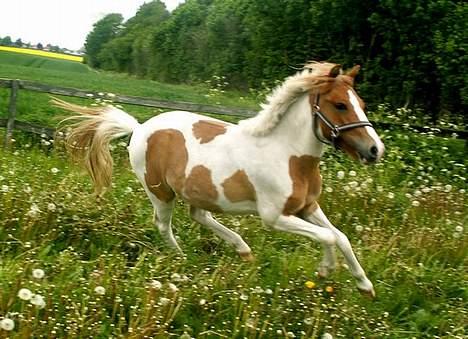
15	85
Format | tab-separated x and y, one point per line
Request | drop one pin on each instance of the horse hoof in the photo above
247	256
367	293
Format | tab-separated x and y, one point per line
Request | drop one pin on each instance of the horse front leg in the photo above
317	216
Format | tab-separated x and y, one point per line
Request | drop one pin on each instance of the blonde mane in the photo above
313	75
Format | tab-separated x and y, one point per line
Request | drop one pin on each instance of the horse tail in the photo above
88	137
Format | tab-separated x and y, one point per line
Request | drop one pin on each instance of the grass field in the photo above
74	267
72	74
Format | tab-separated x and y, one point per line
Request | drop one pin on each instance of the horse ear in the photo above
353	71
335	71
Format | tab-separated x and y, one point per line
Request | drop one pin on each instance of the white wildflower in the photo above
268	291
33	211
359	228
54	170
38	273
27	189
447	188
5	188
415	203
244	297
353	184
391	195
202	302
164	301
459	229
340	174
155	284
38	300
51	206
173	288
328	189
352	173
327	336
99	290
7	324
308	321
24	294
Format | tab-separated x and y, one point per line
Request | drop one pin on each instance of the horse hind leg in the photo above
163	219
206	219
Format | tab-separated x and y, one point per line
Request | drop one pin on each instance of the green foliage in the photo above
104	31
411	51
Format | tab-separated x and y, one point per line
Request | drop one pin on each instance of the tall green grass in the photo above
109	274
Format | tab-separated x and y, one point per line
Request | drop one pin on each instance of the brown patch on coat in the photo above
238	187
199	189
307	182
166	159
207	130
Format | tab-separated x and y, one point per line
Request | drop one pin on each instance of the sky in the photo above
61	22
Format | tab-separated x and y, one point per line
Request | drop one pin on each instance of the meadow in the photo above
72	266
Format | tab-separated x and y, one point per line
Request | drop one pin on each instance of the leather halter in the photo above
335	130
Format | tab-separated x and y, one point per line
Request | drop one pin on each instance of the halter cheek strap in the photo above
335	130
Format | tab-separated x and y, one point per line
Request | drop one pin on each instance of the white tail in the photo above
92	130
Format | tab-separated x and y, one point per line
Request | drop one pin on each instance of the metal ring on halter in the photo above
335	130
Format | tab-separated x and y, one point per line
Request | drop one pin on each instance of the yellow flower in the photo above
329	289
310	284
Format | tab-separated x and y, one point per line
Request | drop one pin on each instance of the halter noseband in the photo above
335	130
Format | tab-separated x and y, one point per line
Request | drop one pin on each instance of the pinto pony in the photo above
267	164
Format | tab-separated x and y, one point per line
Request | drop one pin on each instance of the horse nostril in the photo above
374	151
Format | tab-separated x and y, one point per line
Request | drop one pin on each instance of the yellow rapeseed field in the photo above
42	53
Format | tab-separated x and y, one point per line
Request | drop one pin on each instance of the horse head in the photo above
339	118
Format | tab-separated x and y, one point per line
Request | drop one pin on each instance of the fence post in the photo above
11	112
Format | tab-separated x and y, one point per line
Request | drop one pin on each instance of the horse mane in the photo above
313	75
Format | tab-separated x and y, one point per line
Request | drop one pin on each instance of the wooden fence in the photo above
10	122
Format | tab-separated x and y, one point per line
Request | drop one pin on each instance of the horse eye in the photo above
340	106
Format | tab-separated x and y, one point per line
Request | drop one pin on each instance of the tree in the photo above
104	31
6	41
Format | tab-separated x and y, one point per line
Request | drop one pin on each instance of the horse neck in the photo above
297	130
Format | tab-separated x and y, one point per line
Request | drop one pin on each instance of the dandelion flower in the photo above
164	301
308	321
33	211
340	174
329	289
173	288
310	284
155	284
38	300
7	324
38	273
24	294
99	290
